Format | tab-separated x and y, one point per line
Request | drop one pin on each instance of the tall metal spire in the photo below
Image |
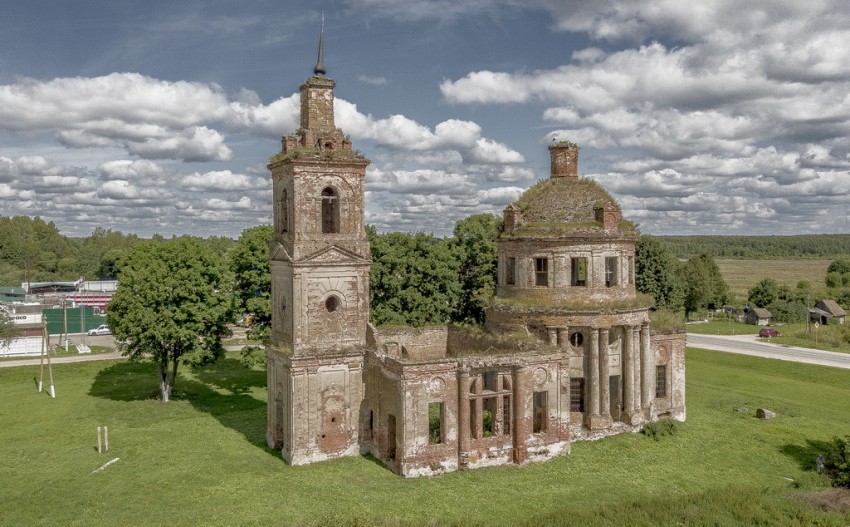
319	69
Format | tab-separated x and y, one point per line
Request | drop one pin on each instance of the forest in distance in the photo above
420	279
32	249
807	246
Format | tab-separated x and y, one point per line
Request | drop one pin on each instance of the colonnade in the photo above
637	372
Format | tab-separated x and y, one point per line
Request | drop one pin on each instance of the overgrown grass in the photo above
201	459
833	337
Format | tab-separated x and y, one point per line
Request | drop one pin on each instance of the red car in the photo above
768	332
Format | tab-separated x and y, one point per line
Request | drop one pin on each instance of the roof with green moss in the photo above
559	206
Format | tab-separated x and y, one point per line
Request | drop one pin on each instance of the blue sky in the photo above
159	116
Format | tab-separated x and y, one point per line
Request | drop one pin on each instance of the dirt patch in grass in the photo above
829	500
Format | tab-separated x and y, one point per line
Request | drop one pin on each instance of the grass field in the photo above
741	275
201	459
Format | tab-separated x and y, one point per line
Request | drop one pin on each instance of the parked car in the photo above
102	329
768	332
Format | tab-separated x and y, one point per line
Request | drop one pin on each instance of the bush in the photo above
658	429
837	462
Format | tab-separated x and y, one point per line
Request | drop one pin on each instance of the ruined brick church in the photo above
567	352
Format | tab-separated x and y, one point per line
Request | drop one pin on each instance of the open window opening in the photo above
541	275
282	213
332	304
435	423
510	270
540	412
579	271
330	211
611	264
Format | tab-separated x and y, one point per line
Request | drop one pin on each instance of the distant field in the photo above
741	275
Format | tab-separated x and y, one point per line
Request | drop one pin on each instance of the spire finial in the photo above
319	69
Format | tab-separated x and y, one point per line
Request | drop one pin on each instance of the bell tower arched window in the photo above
330	211
282	212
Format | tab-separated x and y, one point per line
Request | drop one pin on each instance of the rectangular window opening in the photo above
435	423
611	264
490	378
488	416
506	414
541	274
577	394
579	271
661	381
510	271
540	412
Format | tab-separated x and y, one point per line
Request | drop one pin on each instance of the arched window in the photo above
330	211
282	216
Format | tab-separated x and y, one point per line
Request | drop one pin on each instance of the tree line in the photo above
33	250
177	295
821	246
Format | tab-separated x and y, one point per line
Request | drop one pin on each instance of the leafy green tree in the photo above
840	266
8	331
657	273
837	462
475	244
414	279
833	279
764	293
33	246
249	263
172	305
704	285
110	264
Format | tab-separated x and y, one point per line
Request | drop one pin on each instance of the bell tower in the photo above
320	262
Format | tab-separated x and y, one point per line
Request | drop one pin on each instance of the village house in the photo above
827	312
567	352
758	316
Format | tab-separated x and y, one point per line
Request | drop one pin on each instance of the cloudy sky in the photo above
715	117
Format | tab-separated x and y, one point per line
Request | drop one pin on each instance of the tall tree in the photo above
8	331
249	263
657	273
413	280
172	305
764	293
475	245
704	285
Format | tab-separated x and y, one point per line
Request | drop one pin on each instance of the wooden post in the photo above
106	439
99	445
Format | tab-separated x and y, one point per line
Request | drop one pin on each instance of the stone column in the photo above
592	376
463	418
523	412
629	373
553	335
647	368
564	338
604	374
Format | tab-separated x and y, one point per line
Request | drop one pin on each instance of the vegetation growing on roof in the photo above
566	143
559	201
303	152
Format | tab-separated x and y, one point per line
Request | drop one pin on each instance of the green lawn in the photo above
723	326
201	459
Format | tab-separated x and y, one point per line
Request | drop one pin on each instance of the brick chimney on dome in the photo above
564	155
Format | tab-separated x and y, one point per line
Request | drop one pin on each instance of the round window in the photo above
332	303
576	339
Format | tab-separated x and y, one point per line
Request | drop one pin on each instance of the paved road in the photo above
751	345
